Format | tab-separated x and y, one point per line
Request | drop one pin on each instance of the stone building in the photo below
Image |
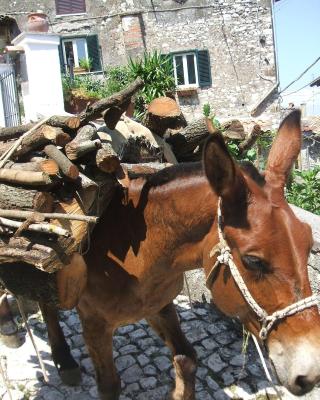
223	50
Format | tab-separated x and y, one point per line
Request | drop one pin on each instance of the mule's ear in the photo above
219	166
284	151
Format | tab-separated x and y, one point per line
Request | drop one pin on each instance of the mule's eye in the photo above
255	264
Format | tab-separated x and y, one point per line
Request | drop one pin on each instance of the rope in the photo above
43	369
264	365
5	380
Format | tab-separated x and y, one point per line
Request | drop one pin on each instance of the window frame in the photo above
185	69
74	49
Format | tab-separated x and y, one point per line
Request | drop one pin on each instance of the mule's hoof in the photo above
185	367
71	377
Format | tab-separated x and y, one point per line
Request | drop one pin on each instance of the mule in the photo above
233	222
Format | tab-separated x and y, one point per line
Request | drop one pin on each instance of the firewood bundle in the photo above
56	178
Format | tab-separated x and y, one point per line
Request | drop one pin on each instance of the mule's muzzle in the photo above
297	365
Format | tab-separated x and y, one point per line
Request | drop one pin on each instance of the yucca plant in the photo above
156	70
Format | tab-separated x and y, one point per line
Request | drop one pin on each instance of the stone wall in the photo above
237	33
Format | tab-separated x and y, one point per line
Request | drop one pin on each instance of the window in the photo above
74	49
70	7
192	68
185	71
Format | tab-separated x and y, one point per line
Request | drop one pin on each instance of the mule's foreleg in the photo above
167	325
98	337
67	367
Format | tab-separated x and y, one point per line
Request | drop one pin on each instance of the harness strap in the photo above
225	257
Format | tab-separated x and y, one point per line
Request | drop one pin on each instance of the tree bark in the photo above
185	143
113	114
25	178
44	255
95	110
48	166
250	141
15	131
65	165
107	159
17	198
41	137
65	122
75	150
164	113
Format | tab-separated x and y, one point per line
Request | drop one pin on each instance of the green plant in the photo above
304	190
156	70
86	63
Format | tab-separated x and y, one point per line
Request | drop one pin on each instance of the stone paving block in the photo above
162	362
215	363
124	362
132	374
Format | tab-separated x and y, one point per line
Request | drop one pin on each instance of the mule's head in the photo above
270	248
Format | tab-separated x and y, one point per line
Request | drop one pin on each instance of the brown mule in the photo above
140	249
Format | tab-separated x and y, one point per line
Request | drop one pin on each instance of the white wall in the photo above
41	83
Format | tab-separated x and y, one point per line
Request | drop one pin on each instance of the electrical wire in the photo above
301	75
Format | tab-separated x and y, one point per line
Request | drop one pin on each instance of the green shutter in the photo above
204	70
94	52
62	65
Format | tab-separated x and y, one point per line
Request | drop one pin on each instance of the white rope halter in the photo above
225	257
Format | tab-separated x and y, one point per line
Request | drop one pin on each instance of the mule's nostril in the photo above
303	384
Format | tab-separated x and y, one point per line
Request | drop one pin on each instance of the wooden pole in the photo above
27	214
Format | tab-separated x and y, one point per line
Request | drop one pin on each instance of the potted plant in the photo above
85	65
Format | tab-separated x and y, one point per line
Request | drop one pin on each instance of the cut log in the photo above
41	137
86	132
250	141
78	229
113	114
65	122
87	191
95	110
85	142
164	113
233	129
65	165
44	255
12	197
50	167
25	178
187	144
107	159
15	131
75	150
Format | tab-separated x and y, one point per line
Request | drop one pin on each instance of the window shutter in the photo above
204	69
70	6
62	65
94	52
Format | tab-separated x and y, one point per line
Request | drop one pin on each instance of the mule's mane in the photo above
168	174
183	170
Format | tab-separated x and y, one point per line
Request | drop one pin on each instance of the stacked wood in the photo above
164	113
56	177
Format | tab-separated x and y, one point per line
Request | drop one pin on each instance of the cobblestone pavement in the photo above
144	362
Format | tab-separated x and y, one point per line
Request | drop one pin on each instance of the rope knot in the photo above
224	256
